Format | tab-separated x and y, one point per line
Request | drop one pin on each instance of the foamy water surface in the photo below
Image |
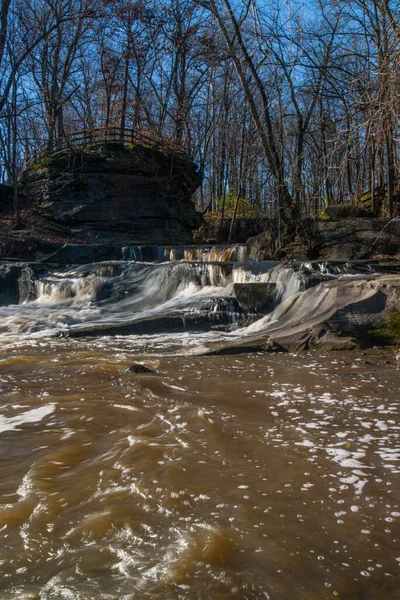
263	476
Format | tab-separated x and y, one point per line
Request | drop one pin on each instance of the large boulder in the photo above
113	193
264	245
350	239
255	297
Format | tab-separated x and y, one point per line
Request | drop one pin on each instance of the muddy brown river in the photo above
241	477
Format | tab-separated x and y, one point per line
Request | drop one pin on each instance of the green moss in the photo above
48	159
388	333
133	145
321	215
366	200
394	322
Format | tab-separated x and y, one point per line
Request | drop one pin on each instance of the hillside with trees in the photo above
287	107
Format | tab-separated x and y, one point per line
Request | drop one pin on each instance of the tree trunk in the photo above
124	97
390	170
262	121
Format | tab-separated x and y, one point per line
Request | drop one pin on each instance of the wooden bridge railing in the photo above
112	135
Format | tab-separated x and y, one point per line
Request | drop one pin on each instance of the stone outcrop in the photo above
255	297
113	193
335	315
342	239
350	239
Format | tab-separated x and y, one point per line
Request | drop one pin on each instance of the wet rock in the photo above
337	315
16	282
324	339
27	287
218	312
9	286
138	369
256	297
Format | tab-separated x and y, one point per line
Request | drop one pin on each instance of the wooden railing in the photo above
111	135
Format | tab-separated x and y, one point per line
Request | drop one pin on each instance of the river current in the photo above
211	477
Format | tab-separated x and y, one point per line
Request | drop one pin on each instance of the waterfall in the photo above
219	253
79	290
132	253
293	277
133	296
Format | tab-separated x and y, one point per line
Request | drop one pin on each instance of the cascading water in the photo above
123	295
292	278
219	253
132	253
130	297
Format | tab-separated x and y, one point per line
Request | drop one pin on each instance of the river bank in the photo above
37	235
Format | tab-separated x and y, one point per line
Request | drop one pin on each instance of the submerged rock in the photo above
138	369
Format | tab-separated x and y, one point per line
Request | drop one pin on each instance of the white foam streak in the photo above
30	416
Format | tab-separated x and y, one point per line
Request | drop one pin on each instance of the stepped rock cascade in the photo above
229	300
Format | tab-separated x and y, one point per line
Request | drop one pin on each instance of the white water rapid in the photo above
133	298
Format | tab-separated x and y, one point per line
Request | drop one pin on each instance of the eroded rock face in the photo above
335	315
113	193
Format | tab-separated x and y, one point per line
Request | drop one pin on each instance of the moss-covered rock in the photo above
389	332
347	211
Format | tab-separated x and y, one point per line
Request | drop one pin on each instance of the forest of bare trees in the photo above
287	106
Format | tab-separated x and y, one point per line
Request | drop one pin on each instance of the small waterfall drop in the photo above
132	253
218	253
